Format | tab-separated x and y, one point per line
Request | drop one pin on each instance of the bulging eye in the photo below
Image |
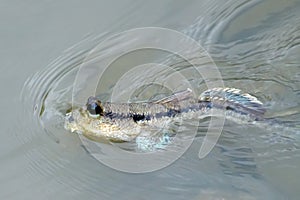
94	107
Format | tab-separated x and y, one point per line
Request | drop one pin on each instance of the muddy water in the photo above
254	44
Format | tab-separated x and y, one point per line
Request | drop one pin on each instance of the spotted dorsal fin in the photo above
233	99
175	98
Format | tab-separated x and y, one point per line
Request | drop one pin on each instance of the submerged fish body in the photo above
126	121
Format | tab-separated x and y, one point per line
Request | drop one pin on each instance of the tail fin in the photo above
233	99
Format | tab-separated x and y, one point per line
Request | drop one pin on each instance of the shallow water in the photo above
254	44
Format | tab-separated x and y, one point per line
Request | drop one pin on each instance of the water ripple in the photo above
262	60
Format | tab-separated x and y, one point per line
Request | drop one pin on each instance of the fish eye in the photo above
94	107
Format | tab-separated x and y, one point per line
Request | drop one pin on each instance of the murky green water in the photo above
255	45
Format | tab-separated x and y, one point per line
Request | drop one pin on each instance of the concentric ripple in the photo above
262	59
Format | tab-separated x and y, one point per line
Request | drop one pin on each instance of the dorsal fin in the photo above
176	97
234	98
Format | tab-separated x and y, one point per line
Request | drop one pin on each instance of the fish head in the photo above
90	121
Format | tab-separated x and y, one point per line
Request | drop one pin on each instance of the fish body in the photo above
125	121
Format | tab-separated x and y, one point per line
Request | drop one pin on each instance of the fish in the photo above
124	122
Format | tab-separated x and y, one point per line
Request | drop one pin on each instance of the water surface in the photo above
255	45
